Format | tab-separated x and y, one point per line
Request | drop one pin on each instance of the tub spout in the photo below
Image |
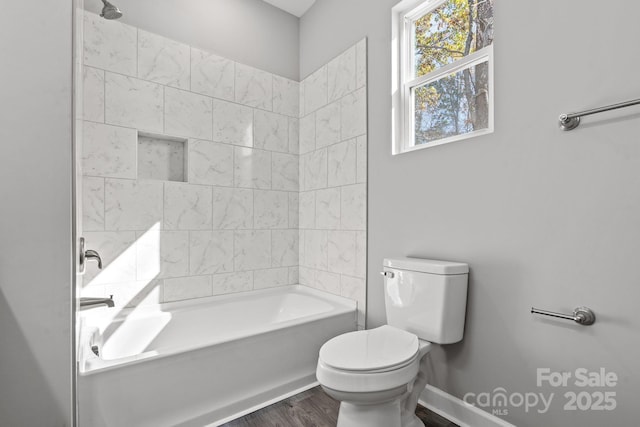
94	302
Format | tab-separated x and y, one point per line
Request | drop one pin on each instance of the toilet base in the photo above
412	421
380	415
387	408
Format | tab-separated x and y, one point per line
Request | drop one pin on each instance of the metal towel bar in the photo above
572	120
582	315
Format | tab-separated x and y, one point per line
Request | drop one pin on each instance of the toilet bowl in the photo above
378	374
373	373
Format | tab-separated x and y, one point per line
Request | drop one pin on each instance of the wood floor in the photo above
314	408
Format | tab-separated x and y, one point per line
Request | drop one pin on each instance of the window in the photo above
443	72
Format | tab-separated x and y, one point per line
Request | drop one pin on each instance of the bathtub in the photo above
206	361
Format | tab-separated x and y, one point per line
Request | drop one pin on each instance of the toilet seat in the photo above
376	350
369	361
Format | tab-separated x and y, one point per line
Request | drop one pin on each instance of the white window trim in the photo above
403	14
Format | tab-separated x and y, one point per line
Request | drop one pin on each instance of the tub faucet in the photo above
94	302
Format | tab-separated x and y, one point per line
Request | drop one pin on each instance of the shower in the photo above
109	11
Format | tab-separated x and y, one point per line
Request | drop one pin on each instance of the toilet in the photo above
378	374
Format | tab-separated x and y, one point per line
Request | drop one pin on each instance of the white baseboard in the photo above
457	411
263	404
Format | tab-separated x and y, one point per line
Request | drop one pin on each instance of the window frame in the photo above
404	14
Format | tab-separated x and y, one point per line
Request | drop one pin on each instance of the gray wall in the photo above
35	214
251	32
544	218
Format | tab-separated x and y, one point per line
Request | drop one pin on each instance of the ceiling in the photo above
294	7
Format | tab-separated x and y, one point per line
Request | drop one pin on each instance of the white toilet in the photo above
378	374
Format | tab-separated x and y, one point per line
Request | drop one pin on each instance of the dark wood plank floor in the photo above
314	408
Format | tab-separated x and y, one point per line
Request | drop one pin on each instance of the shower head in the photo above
110	11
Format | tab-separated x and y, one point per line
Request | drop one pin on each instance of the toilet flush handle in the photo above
388	274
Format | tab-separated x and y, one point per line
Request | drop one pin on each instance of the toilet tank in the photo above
426	297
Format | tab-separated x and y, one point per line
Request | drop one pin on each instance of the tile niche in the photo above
162	158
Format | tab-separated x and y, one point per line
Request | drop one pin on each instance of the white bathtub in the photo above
205	361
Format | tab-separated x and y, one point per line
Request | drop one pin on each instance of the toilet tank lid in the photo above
427	265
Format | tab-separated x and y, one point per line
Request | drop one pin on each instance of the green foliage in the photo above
452	105
452	31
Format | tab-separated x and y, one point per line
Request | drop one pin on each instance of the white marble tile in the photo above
161	159
232	123
315	168
294	275
302	171
92	289
294	136
232	208
254	87
210	163
270	209
212	75
163	60
210	252
230	283
161	254
294	217
302	261
361	254
302	113
354	207
135	294
342	164
342	252
328	125
315	249
361	63
270	278
109	45
284	248
134	103
93	94
286	96
132	205
252	250
328	282
355	289
308	134
308	209
306	276
284	172
188	114
118	253
341	73
315	90
187	207
361	162
108	151
328	209
186	288
354	114
92	204
252	168
271	131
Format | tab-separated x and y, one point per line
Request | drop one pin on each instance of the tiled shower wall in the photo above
333	175
233	225
232	134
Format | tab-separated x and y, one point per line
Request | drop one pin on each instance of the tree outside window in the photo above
446	77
